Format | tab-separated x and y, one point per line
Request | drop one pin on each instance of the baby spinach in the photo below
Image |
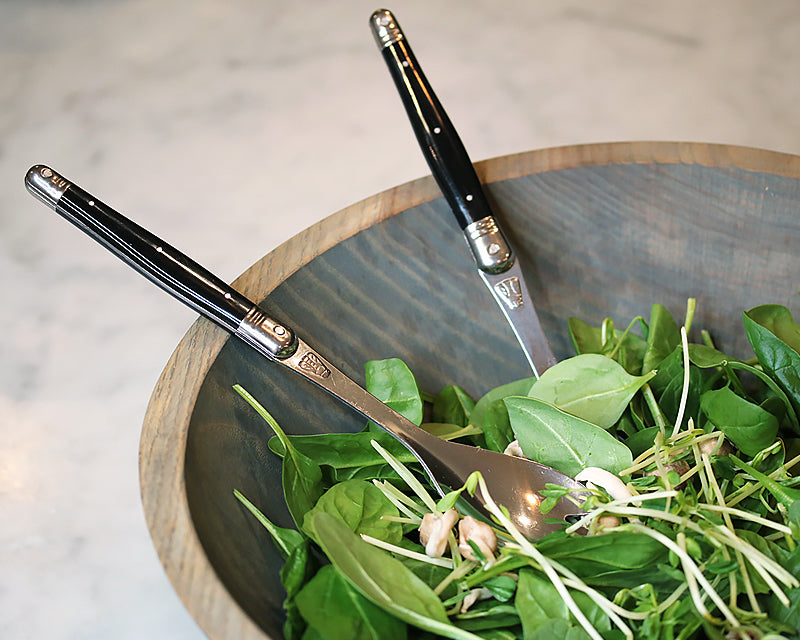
342	450
662	338
747	425
775	338
301	476
491	416
298	568
384	580
361	506
707	357
452	406
338	612
590	386
557	439
545	615
392	382
625	347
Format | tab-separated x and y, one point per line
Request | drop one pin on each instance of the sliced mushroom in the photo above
513	449
470	529
434	530
594	476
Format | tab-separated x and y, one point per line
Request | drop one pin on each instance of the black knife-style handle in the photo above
441	146
159	262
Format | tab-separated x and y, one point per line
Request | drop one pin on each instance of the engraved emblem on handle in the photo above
311	363
510	292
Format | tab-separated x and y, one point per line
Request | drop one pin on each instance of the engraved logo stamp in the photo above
311	363
510	292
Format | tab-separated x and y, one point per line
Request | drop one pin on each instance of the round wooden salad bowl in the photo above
602	231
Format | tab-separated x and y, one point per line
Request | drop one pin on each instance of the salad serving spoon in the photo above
512	482
453	171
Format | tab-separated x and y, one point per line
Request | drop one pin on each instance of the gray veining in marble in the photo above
227	127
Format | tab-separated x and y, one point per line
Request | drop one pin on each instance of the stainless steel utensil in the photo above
451	167
512	482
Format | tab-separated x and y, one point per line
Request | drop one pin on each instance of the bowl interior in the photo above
595	241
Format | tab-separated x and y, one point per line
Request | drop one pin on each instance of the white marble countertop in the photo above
226	128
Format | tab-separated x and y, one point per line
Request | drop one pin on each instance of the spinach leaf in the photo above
515	388
668	385
538	601
383	579
345	450
452	406
491	416
663	337
775	338
447	431
488	614
392	382
298	569
285	539
545	615
361	506
555	438
301	476
336	611
496	427
747	425
790	615
600	562
641	441
626	348
591	387
707	357
431	574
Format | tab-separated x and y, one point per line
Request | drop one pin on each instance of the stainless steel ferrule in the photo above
266	335
489	246
45	184
385	28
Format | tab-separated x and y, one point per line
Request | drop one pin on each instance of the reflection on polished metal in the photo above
385	28
512	482
45	184
266	335
489	246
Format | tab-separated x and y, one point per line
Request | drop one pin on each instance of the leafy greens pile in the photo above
704	546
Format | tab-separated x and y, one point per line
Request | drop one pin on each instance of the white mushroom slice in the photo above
513	449
481	534
596	477
434	529
607	522
481	593
713	446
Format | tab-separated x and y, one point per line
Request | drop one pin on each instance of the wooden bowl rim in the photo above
166	421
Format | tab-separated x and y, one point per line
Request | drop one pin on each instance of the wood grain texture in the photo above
602	230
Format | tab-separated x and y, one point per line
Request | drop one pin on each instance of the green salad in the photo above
691	521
